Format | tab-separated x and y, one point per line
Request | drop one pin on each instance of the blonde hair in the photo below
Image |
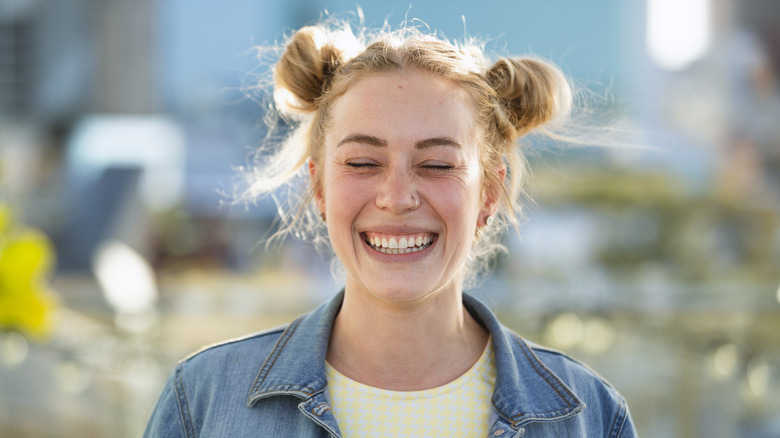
512	97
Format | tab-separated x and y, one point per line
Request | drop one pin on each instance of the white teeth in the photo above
396	251
401	245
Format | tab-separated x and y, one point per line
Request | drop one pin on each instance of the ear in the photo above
314	176
491	194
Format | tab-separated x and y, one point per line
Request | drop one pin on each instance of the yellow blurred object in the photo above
5	219
26	258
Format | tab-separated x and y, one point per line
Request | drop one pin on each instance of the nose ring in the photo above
416	203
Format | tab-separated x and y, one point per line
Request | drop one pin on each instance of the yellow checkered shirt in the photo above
457	409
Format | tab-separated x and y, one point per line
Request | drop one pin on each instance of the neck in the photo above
405	346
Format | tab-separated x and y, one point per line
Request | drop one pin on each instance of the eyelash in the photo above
438	168
430	167
361	165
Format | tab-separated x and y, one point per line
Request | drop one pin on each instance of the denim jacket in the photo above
273	384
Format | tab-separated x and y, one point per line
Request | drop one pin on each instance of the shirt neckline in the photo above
480	367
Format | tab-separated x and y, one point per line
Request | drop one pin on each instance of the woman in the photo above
409	145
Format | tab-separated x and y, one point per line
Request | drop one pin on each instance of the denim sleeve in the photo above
623	425
167	418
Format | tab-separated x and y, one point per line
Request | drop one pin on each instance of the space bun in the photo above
304	70
530	93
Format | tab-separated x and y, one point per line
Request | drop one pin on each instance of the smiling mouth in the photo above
406	244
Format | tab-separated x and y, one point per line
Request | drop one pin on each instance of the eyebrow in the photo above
365	139
378	142
437	141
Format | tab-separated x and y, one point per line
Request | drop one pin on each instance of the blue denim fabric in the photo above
272	384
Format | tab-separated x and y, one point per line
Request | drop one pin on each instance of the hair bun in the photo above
305	68
530	92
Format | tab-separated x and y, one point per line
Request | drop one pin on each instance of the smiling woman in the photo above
418	175
408	145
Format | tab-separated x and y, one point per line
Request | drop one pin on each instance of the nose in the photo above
396	192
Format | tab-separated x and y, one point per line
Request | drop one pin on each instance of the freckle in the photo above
400	87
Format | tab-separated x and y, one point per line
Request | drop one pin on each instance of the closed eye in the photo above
435	167
361	164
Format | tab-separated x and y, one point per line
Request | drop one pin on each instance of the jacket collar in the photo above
296	365
526	390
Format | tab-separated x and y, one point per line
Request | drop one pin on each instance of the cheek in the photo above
463	192
457	203
343	197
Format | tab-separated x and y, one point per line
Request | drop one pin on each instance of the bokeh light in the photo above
126	278
598	336
14	349
726	360
566	330
759	376
678	33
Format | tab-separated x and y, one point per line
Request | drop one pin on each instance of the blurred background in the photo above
122	121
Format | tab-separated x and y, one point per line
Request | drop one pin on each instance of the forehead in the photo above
408	105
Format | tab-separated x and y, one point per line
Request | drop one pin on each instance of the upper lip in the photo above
396	234
399	230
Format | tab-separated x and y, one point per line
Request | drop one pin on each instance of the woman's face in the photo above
394	138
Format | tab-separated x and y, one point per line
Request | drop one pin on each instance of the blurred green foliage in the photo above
696	237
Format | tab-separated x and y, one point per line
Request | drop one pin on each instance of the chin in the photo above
404	293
